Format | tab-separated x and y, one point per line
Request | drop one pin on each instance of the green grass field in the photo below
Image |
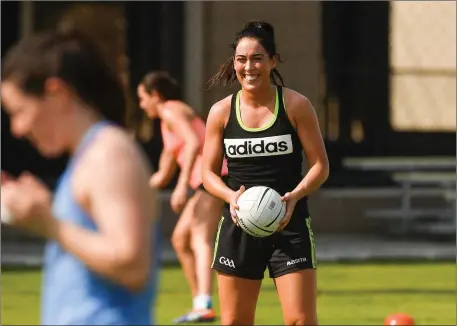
349	294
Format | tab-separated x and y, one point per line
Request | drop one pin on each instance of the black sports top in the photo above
269	156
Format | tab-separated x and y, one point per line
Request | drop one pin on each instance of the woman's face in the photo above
43	120
148	102
252	64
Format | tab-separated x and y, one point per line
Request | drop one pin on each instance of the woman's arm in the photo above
122	205
180	123
167	169
213	152
306	123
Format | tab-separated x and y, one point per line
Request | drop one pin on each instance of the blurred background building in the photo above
381	76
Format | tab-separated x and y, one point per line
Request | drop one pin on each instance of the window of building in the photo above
423	66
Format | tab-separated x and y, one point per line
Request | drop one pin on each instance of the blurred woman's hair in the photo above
72	57
161	82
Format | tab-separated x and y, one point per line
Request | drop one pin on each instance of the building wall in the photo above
298	37
211	27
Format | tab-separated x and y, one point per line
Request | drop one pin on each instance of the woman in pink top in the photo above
183	137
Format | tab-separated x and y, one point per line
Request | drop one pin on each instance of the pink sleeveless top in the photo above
175	144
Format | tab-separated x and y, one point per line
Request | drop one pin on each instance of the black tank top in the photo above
270	156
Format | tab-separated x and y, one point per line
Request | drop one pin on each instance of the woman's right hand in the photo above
234	203
155	180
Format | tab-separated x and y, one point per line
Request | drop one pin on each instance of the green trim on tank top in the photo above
268	125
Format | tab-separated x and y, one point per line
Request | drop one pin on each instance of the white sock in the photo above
194	302
202	301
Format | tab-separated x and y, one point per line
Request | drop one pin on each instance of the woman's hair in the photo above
162	83
72	57
264	33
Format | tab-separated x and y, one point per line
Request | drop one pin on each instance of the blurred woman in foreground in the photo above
101	255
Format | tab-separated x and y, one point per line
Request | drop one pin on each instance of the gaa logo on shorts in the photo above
227	262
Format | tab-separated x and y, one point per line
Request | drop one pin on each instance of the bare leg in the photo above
298	295
238	299
181	240
208	211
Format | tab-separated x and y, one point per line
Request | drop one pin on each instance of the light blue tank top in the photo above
74	295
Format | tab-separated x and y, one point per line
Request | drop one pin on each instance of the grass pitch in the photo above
349	294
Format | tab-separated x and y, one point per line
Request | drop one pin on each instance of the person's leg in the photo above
181	241
298	293
293	267
237	299
240	261
208	212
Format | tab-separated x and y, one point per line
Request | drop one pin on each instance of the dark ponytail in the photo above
264	33
226	75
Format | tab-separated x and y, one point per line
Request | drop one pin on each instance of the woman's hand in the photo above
179	198
234	204
290	201
156	180
28	201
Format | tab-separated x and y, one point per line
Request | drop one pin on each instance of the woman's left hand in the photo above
290	200
28	201
179	198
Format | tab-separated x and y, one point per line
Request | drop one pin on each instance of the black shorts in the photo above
239	254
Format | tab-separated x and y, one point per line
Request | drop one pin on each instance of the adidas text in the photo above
254	147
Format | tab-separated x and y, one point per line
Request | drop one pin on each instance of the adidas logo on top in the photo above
255	147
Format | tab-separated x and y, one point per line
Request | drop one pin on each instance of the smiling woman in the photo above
263	143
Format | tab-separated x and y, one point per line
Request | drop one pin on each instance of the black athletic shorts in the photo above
239	254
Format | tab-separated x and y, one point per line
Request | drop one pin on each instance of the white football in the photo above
260	211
